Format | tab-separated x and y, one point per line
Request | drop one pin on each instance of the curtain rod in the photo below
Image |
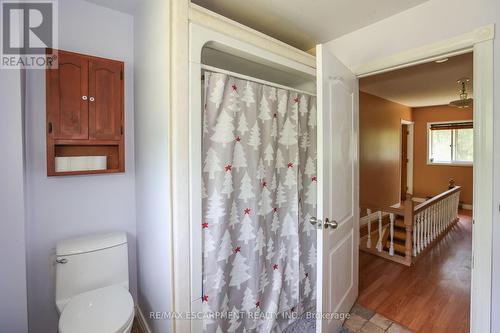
253	79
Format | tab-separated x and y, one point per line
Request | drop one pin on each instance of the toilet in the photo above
92	284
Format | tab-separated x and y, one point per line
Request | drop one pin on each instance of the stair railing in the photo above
433	218
424	224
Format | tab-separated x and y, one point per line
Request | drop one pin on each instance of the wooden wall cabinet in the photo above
85	110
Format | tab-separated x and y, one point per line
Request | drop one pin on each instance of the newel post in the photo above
409	208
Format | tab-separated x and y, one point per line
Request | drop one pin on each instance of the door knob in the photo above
314	221
330	224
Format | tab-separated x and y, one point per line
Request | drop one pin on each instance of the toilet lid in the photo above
104	310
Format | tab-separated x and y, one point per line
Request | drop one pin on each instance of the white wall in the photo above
60	207
430	22
151	157
13	302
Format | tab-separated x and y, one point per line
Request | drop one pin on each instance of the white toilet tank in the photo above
88	263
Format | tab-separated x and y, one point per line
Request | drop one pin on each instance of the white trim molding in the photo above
185	71
482	228
453	46
221	24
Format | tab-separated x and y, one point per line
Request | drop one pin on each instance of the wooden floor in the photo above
431	296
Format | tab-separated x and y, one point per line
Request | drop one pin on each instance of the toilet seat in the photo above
104	310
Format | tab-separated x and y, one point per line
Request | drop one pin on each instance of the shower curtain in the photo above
259	191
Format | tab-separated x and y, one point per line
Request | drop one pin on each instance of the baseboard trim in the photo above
142	320
466	206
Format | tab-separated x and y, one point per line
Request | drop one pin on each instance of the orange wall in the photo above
429	180
379	154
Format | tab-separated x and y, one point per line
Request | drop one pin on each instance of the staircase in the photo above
405	231
399	239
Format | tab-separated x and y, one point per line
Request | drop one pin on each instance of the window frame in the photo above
453	139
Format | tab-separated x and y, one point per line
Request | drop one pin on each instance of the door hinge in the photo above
121	130
121	75
49	127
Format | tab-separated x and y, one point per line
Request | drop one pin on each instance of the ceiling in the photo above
303	24
299	23
422	85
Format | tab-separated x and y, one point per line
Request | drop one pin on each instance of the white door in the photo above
337	191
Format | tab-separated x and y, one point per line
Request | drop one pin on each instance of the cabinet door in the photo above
106	99
67	93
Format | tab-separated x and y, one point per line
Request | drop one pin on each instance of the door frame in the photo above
184	75
409	154
480	42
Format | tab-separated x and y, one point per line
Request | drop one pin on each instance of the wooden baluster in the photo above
429	226
418	232
426	227
436	225
379	242
434	222
391	248
450	210
441	219
421	231
409	219
431	213
415	236
446	213
369	238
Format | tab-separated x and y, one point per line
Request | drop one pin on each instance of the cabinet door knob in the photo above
84	98
92	99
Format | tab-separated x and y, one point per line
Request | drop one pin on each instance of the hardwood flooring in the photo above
433	295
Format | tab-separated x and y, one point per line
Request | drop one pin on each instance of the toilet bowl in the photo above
104	310
92	284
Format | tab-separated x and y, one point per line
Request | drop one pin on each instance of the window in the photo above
450	143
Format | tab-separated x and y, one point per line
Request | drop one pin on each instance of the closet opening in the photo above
258	192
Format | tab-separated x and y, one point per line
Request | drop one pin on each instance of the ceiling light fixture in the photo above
463	102
440	61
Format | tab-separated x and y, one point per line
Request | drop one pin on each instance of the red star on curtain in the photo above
228	167
204	225
275	266
290	165
237	249
234	87
247	211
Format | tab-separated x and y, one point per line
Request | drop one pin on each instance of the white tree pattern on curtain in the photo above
259	191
